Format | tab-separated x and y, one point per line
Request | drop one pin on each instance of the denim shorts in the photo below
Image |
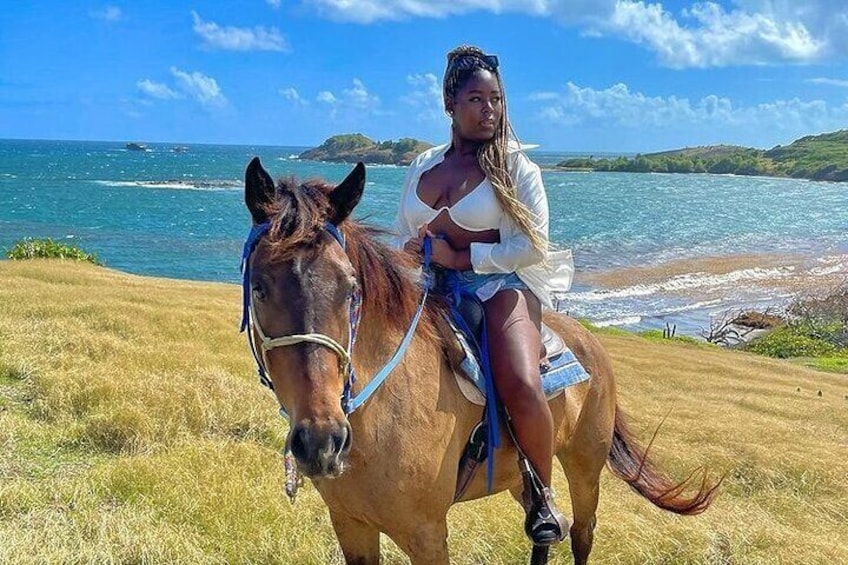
484	286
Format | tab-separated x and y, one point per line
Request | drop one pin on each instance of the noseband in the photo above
249	319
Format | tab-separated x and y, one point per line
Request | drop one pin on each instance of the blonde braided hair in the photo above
492	154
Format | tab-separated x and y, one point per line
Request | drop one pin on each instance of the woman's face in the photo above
478	107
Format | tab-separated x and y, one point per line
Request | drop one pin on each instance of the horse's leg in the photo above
583	463
426	544
360	542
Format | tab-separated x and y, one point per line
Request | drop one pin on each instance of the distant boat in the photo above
136	147
179	149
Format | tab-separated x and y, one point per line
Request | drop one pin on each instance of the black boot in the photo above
545	524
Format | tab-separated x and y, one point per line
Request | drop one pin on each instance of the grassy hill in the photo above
133	429
350	148
816	157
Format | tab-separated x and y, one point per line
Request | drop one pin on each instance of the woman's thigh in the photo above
513	319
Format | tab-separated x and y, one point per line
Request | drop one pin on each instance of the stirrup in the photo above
545	525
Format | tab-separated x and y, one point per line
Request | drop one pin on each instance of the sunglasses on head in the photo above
465	62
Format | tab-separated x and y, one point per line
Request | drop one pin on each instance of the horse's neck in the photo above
419	377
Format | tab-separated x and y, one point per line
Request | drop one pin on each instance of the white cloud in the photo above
293	96
704	34
202	88
426	97
326	97
274	3
239	39
617	107
352	104
107	14
157	90
359	98
708	36
829	81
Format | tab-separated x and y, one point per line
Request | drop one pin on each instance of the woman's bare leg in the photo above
513	319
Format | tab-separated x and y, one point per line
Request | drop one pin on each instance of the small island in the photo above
815	157
351	148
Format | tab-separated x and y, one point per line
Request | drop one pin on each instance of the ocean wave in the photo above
831	265
684	282
207	185
626	321
690	307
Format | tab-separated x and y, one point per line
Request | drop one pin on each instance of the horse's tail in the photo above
629	461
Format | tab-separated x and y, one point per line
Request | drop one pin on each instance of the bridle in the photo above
349	403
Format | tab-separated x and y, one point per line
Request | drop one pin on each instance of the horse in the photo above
308	270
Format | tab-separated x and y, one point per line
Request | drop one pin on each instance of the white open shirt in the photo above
545	274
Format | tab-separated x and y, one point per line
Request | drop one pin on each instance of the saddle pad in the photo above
560	370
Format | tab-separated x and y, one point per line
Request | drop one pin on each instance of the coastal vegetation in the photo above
813	330
815	157
29	248
351	148
133	429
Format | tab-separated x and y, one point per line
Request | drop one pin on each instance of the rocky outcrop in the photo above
351	148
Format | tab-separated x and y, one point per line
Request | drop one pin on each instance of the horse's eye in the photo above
258	292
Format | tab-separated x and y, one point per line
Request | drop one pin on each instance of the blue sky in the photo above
580	75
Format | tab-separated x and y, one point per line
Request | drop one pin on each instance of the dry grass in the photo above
133	429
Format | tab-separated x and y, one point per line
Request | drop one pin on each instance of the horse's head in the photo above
299	290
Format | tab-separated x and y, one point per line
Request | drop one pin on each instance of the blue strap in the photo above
256	232
493	436
336	233
378	379
494	439
349	404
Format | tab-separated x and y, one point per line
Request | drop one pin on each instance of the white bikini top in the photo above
479	210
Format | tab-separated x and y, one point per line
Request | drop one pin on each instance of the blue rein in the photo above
457	294
349	402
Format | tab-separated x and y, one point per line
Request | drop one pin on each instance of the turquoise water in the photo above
182	215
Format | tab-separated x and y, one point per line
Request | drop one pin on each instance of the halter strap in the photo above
256	232
349	403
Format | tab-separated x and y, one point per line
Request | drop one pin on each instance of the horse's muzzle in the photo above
321	449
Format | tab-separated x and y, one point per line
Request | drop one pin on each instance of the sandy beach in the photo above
766	272
708	287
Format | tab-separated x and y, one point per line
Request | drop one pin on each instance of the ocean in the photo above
650	249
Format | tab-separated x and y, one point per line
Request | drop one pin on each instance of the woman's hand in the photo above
414	246
441	252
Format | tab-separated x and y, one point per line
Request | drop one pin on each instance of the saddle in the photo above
559	368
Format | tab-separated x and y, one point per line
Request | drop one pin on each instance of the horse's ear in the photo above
346	195
258	190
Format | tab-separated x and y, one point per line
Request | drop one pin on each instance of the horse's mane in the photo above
391	288
297	214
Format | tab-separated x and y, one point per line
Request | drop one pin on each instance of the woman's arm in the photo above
401	230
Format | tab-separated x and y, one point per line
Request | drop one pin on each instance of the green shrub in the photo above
48	249
837	364
785	342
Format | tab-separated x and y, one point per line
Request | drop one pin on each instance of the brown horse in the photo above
391	466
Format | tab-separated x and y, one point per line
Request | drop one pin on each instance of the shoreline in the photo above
690	293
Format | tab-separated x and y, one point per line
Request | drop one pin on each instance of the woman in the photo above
483	204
